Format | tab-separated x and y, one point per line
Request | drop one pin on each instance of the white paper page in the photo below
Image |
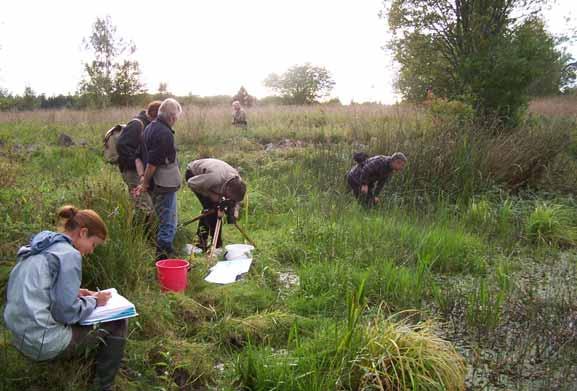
115	304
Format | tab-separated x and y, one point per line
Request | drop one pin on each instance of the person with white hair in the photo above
162	174
238	115
368	177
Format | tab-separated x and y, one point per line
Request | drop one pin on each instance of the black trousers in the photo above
207	224
87	337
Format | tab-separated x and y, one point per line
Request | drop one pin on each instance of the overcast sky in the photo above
210	47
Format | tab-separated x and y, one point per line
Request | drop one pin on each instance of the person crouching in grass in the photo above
368	177
45	301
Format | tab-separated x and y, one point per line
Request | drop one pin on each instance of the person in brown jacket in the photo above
217	185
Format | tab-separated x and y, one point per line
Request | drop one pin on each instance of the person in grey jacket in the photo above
215	183
44	301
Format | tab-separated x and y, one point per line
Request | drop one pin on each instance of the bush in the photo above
451	113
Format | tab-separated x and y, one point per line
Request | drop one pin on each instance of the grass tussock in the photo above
384	355
402	356
551	225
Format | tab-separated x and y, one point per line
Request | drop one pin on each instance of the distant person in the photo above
45	303
429	94
129	161
162	175
367	178
238	115
215	183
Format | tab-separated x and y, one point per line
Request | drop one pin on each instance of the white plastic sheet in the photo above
226	272
238	262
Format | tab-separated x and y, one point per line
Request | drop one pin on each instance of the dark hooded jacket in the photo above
129	142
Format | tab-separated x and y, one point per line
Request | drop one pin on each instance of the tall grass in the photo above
126	260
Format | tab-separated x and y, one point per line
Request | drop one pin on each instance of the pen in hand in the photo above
101	297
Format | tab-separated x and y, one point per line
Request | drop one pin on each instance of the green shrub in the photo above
452	112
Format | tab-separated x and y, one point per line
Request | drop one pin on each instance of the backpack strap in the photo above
140	121
110	132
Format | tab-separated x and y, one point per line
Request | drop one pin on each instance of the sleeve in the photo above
67	307
367	174
159	148
129	140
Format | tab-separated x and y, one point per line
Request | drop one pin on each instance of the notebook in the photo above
118	307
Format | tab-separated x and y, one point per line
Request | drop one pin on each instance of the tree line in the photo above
113	78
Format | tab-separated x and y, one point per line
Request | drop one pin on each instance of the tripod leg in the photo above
215	237
200	216
244	234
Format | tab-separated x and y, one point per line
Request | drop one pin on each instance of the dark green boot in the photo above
108	360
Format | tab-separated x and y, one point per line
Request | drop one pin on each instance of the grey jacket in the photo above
210	176
42	296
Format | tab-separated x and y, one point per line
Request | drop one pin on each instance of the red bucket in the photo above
172	274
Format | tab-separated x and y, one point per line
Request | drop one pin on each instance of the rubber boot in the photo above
108	360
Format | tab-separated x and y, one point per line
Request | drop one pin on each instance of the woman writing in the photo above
45	301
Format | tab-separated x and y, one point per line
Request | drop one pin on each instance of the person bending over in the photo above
218	186
45	302
367	178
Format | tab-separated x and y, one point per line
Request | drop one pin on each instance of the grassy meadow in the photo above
462	278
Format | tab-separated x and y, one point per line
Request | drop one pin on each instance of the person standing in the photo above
129	162
367	178
162	174
45	303
218	186
238	115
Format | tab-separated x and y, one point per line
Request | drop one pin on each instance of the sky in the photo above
211	47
